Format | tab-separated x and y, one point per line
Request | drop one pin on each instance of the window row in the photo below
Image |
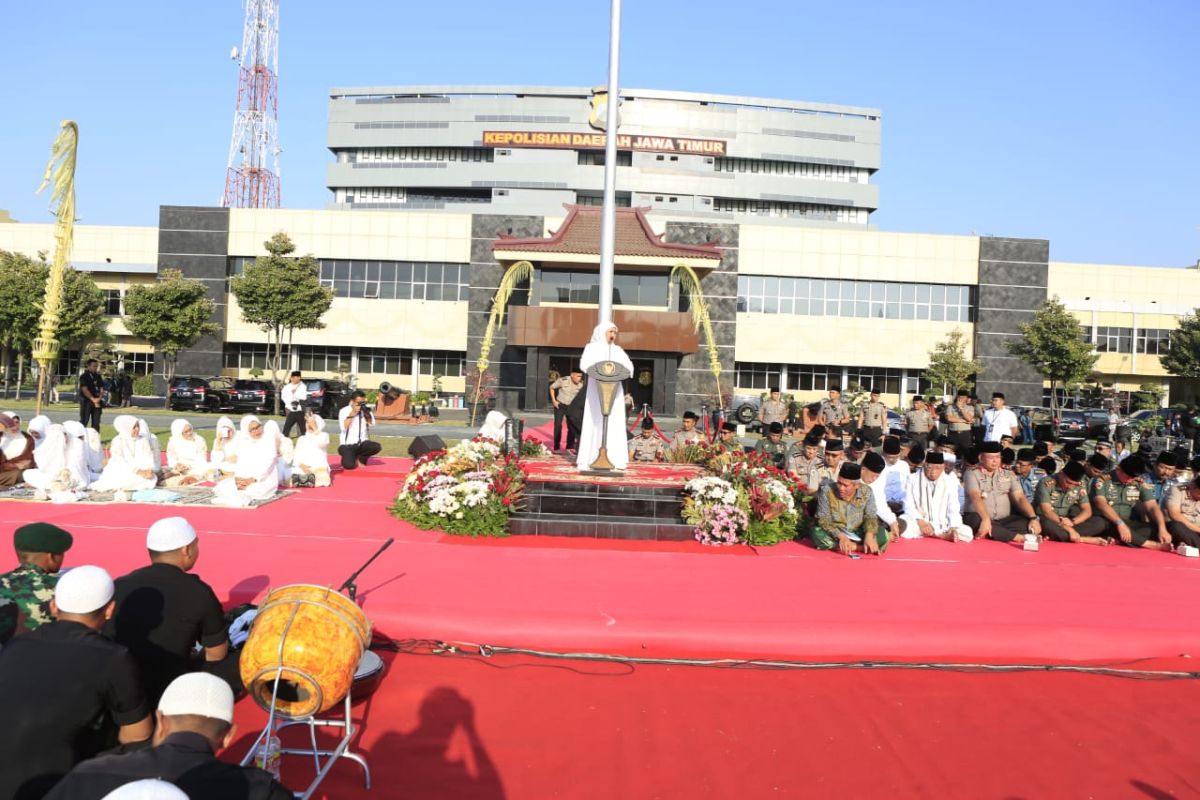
70	363
629	288
595	158
823	377
820	172
389	280
334	359
369	155
767	294
781	208
1108	339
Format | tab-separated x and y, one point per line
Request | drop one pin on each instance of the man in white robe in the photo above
931	504
603	347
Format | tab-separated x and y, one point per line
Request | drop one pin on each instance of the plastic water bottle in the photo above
269	753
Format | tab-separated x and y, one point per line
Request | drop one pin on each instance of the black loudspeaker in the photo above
425	444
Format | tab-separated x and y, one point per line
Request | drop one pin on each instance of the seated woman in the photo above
16	450
152	440
95	450
79	454
256	473
37	428
131	465
283	450
187	456
51	477
493	427
224	449
310	462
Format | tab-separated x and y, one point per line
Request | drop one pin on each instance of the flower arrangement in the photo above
532	448
468	489
744	498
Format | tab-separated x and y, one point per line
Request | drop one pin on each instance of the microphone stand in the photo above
349	583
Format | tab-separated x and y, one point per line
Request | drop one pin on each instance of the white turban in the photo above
147	789
199	693
83	590
170	533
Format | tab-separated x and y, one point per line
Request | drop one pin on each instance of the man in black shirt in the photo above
195	720
66	689
91	394
162	611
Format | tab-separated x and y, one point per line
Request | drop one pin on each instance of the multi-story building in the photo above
438	190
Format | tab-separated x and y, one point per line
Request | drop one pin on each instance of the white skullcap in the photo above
148	789
83	590
198	693
170	534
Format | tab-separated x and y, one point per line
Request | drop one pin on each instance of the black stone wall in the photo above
506	362
694	381
195	241
1012	285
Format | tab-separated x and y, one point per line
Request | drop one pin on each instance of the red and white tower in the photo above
252	175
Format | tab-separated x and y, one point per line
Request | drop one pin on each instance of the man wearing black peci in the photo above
294	396
354	424
91	394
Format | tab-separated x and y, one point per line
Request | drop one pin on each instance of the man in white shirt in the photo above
873	475
931	504
294	396
998	420
354	424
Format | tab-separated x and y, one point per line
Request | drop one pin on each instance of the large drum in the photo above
312	638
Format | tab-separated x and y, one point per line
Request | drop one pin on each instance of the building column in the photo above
904	388
416	371
845	384
783	375
1012	286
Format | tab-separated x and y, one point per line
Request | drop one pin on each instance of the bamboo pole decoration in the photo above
521	270
689	284
61	172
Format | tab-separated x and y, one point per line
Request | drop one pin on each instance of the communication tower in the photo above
252	174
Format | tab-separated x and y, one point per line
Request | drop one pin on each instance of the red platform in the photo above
442	728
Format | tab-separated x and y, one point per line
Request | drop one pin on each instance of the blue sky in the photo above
1075	122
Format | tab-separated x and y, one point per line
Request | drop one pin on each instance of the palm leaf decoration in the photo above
514	276
689	285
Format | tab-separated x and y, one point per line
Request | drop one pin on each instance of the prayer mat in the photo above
174	496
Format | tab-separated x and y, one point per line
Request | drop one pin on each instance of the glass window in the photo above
652	290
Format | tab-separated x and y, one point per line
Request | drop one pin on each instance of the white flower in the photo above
709	489
780	493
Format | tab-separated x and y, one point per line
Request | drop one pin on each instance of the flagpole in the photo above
608	215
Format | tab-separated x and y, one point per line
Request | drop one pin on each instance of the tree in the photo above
280	294
172	314
949	366
1183	359
24	281
1149	396
1052	343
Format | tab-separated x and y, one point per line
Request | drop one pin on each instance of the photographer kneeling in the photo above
354	423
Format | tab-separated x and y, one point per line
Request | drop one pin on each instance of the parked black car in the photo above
249	396
219	394
1077	426
189	393
326	397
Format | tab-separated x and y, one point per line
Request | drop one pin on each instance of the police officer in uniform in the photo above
772	410
162	612
834	415
194	721
918	421
687	435
960	416
67	691
873	420
804	457
648	447
773	445
835	455
40	548
1023	471
562	392
992	494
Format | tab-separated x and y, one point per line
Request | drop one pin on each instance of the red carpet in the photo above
560	731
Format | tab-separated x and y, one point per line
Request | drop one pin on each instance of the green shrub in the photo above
143	385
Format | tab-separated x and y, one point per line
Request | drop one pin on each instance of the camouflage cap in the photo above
42	537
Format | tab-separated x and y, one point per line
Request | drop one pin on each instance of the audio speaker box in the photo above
425	444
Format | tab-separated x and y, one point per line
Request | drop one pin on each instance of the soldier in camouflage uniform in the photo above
773	445
727	440
40	548
1062	505
648	447
1116	497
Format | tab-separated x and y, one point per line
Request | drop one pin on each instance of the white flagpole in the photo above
608	216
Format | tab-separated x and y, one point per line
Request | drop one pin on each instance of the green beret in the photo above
42	537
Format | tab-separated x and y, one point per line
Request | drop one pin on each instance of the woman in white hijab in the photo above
284	449
37	429
131	465
603	347
155	445
310	462
50	474
16	450
95	451
224	449
493	427
187	456
78	454
256	474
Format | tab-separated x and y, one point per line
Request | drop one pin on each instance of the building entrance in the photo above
652	384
